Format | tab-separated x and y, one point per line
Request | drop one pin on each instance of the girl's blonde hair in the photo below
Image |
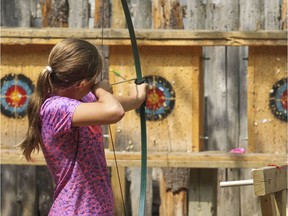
71	61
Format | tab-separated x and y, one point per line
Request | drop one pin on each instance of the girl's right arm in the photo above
106	110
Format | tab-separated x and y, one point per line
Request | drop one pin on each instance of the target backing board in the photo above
267	99
16	90
20	66
173	106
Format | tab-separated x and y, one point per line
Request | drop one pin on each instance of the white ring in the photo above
49	69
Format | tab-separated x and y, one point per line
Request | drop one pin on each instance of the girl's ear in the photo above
82	83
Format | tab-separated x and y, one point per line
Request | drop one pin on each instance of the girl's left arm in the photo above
137	95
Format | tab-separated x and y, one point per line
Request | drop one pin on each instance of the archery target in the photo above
160	98
15	92
279	99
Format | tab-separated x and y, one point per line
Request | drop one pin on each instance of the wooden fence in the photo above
229	119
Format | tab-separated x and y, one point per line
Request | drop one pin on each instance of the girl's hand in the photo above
138	93
104	84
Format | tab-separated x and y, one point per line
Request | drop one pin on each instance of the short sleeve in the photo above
57	112
90	97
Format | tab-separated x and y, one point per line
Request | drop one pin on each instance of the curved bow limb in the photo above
139	80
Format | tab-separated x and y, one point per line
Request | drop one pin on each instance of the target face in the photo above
160	98
279	99
15	92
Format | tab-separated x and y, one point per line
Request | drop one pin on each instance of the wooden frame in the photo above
270	184
145	37
206	159
117	37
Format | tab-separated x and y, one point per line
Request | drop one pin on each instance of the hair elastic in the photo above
49	69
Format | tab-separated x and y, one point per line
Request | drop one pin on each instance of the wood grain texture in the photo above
269	180
207	159
266	132
145	37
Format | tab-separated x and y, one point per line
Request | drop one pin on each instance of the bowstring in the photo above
109	127
117	170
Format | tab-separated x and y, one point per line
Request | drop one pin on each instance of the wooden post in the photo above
270	183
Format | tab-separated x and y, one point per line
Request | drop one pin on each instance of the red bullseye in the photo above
16	96
16	90
160	98
155	99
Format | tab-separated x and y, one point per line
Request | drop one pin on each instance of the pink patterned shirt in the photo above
76	161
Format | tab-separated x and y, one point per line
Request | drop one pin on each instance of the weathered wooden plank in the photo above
144	37
133	175
172	203
9	205
78	14
160	14
15	13
205	159
221	89
284	14
251	15
55	13
272	13
142	15
201	195
269	179
18	190
102	14
26	190
270	183
44	188
118	18
251	19
202	198
194	16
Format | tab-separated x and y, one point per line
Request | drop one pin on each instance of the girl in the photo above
65	113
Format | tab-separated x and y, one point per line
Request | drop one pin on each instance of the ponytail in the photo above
33	139
70	61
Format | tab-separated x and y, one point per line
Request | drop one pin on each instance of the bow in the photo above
138	81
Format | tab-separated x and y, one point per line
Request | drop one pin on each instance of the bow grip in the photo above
139	82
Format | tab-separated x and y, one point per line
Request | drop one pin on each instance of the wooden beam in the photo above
269	180
274	204
270	183
207	159
115	37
